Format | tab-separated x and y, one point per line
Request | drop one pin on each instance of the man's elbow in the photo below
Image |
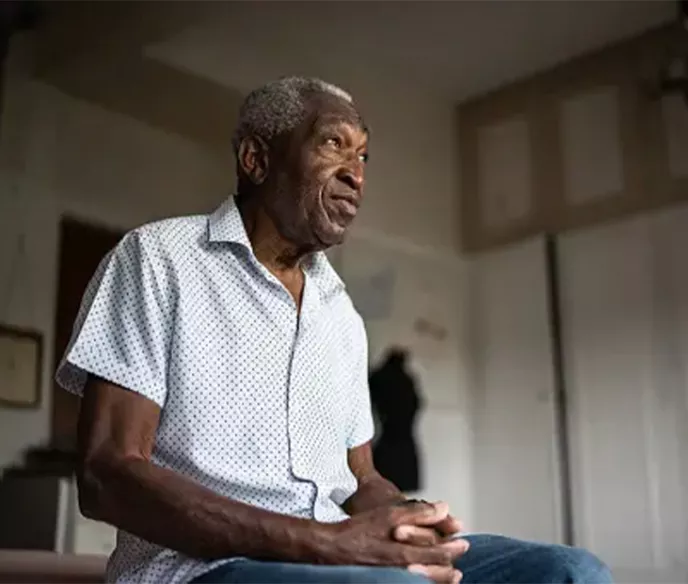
97	481
91	491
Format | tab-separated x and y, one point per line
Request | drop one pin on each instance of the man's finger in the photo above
416	535
439	555
449	526
421	513
439	574
458	547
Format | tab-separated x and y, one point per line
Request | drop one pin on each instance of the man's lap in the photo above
491	559
255	572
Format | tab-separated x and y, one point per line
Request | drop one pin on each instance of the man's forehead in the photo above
330	109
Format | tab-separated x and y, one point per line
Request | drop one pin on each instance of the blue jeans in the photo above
491	559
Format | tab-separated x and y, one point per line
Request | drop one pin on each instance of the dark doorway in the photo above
82	247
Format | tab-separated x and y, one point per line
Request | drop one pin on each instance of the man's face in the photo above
315	177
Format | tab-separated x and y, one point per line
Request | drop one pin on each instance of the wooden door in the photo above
82	247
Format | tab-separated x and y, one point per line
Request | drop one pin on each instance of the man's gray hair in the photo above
279	106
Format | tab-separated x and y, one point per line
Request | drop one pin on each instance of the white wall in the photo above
432	287
61	156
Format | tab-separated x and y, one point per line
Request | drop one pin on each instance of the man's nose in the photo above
353	178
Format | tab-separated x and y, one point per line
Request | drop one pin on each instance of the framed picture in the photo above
21	358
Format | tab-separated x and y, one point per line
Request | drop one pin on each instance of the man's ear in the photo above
253	159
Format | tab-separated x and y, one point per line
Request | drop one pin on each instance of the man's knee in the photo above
575	566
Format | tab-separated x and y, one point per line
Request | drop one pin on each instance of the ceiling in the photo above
454	49
182	66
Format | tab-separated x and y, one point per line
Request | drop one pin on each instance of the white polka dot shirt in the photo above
259	403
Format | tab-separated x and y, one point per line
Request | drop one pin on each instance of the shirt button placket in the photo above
298	396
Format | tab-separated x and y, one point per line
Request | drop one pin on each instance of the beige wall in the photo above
412	191
59	155
430	287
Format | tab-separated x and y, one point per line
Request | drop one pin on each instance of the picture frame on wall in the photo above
21	358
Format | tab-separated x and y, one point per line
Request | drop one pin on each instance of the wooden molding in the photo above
473	118
627	70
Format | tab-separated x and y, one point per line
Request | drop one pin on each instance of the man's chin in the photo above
334	235
334	227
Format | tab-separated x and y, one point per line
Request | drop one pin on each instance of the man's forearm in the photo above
373	491
166	508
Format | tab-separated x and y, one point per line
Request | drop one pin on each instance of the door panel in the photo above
82	247
516	464
624	310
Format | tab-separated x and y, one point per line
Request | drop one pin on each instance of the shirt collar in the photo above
326	278
226	225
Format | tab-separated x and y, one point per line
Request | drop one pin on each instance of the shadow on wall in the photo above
396	401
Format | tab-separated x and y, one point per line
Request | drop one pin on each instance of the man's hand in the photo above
368	538
436	534
430	534
427	527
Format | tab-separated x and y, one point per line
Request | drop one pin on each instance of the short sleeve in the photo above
361	428
123	329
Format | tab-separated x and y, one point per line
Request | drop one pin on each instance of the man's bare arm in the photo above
373	489
119	484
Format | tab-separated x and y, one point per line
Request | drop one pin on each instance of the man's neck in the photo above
279	256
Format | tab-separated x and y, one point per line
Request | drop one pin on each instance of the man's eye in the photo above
363	157
334	142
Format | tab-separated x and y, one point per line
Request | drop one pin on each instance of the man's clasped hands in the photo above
415	533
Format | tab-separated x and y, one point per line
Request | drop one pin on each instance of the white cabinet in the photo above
77	534
625	321
41	512
517	488
92	537
624	312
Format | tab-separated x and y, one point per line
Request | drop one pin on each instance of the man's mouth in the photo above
346	205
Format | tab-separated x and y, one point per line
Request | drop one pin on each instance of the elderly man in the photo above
225	424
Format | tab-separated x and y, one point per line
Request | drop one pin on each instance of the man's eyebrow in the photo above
334	121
